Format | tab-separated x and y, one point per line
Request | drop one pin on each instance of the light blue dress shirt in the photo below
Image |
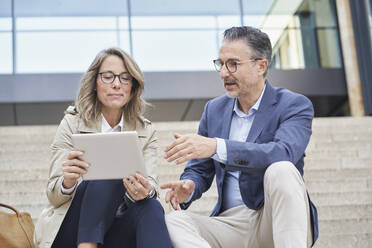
241	124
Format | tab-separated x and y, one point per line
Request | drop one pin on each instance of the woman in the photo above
104	213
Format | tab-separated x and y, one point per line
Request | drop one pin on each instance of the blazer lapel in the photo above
263	113
226	118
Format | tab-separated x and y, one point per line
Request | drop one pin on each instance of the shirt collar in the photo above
106	128
252	110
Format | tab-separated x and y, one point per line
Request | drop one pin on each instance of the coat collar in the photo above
96	126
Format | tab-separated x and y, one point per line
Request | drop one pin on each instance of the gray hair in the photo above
255	38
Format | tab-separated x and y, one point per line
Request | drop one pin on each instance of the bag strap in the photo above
9	207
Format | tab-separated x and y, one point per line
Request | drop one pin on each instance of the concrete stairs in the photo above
338	174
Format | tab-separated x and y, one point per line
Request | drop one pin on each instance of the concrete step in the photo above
23	186
27	164
346	226
351	211
338	174
343	185
338	166
330	240
341	198
18	198
24	175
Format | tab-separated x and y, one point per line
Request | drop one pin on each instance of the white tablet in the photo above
110	155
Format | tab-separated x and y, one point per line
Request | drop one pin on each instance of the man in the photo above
253	139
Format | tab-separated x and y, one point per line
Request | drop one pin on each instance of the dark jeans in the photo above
92	218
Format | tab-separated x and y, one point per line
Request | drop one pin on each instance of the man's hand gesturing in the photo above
179	192
190	146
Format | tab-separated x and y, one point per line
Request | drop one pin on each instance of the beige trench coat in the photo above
52	216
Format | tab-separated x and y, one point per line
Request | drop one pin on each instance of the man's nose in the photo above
224	72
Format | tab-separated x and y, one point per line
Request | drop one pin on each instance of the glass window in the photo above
48	8
64	36
6	63
47	52
65	23
328	52
183	36
174	50
6	52
309	38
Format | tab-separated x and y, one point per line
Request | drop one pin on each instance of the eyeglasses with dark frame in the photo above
231	64
108	77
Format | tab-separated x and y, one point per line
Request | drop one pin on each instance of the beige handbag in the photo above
16	229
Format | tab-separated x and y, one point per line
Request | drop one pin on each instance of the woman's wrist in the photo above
152	193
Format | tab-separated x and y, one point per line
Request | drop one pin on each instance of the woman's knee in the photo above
152	205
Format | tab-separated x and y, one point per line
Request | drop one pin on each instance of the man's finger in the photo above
185	158
168	196
174	203
178	140
177	151
171	185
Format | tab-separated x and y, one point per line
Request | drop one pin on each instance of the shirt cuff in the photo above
221	154
67	191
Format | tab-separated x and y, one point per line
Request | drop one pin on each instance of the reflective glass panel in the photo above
180	35
306	37
174	50
6	52
6	62
60	51
65	36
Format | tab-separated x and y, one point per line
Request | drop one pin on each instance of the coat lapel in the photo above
263	113
226	118
128	126
94	127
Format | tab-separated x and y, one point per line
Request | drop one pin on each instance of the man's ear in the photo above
262	66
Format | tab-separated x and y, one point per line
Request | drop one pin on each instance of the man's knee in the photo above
281	176
175	218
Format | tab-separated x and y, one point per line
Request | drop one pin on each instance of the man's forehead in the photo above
234	49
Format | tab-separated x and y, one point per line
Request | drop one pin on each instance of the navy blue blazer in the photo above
280	132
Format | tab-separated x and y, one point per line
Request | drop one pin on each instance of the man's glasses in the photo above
109	77
231	64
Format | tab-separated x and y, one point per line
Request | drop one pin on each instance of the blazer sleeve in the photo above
287	143
200	171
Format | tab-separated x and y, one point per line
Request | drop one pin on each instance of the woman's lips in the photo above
115	95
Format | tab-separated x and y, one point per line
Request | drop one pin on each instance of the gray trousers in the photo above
283	221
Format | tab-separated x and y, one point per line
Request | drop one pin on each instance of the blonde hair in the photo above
87	103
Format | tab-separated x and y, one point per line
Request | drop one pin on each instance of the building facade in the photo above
45	47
